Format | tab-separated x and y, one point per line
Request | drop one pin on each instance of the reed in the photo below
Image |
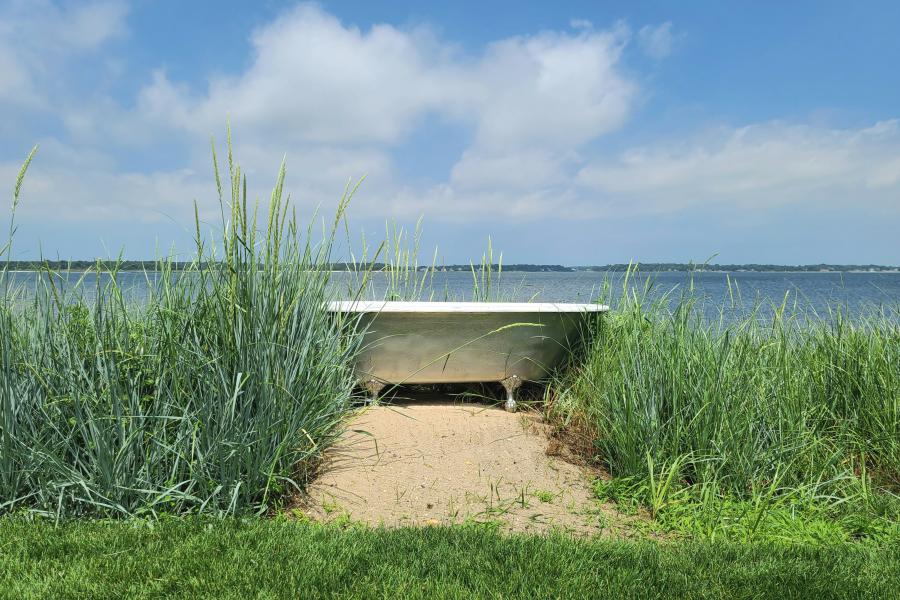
763	402
216	395
401	276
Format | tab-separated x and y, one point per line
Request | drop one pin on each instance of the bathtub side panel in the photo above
456	348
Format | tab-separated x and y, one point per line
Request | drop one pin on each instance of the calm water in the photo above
818	291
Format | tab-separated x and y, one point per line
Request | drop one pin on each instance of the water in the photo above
857	292
818	289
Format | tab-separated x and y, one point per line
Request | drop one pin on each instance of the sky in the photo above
575	133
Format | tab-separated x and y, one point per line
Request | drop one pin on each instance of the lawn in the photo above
187	557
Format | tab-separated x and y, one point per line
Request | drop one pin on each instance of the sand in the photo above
439	462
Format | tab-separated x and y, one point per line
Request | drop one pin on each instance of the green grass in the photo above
774	410
216	395
280	559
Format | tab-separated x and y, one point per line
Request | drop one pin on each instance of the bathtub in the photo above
460	342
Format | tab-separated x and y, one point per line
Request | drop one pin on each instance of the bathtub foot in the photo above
374	387
511	384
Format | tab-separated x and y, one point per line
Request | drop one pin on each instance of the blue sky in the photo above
569	132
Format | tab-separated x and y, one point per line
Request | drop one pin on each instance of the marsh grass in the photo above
216	395
758	410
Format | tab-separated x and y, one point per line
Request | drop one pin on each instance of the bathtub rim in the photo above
397	306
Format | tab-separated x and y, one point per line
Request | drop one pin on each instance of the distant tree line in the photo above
684	267
751	267
84	265
149	265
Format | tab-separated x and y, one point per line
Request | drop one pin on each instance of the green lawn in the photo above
276	558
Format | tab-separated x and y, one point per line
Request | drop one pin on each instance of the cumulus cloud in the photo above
555	90
338	100
90	186
754	167
314	79
342	101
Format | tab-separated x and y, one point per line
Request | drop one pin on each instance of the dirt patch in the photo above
422	463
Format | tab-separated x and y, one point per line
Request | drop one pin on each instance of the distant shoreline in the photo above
138	266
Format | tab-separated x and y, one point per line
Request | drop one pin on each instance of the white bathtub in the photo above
459	342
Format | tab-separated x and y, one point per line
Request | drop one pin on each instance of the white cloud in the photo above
84	26
755	167
44	27
78	185
657	41
752	168
38	38
514	171
340	101
484	205
554	90
315	80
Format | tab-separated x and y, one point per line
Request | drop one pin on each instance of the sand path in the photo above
428	463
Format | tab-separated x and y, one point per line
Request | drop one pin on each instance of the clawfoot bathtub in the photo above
460	342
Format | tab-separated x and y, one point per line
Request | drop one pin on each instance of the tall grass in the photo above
401	276
404	279
216	395
220	391
751	405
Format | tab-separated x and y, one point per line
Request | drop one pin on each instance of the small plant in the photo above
330	506
544	496
491	525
